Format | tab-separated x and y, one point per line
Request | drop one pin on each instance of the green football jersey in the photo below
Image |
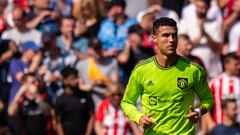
168	92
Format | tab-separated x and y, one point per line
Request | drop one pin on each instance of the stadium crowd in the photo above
64	64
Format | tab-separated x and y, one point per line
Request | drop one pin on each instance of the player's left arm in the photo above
203	91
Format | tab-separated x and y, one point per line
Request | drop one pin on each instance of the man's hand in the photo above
193	115
145	120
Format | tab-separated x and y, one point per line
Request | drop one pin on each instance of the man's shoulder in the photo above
144	63
190	63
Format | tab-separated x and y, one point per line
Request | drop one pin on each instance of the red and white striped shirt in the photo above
222	87
113	119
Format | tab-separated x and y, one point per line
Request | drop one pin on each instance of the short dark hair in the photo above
136	29
230	56
226	101
68	71
164	21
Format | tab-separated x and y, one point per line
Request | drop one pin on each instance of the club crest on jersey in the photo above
182	83
152	100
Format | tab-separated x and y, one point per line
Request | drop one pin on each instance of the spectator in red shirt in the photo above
110	118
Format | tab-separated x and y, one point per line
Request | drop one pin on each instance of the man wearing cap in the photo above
27	63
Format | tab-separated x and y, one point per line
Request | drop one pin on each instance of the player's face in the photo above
166	40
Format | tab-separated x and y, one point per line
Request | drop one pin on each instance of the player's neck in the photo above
166	61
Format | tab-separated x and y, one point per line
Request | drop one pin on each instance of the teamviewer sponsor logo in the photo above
154	100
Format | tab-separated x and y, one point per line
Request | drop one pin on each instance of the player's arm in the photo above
128	103
203	91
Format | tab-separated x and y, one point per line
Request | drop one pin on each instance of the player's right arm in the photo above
133	90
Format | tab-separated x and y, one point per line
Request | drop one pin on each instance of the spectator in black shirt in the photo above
8	50
74	107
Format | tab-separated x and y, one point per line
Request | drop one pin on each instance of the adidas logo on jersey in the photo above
150	83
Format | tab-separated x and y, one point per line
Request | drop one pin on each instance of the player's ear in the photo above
154	37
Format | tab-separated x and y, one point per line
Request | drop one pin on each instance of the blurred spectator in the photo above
110	118
20	33
184	49
225	85
159	11
113	30
87	21
97	70
70	45
214	11
234	38
134	51
62	6
146	23
230	12
34	110
7	51
206	36
42	17
3	24
28	62
74	107
52	64
229	125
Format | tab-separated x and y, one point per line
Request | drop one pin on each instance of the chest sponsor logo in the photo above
154	100
182	83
